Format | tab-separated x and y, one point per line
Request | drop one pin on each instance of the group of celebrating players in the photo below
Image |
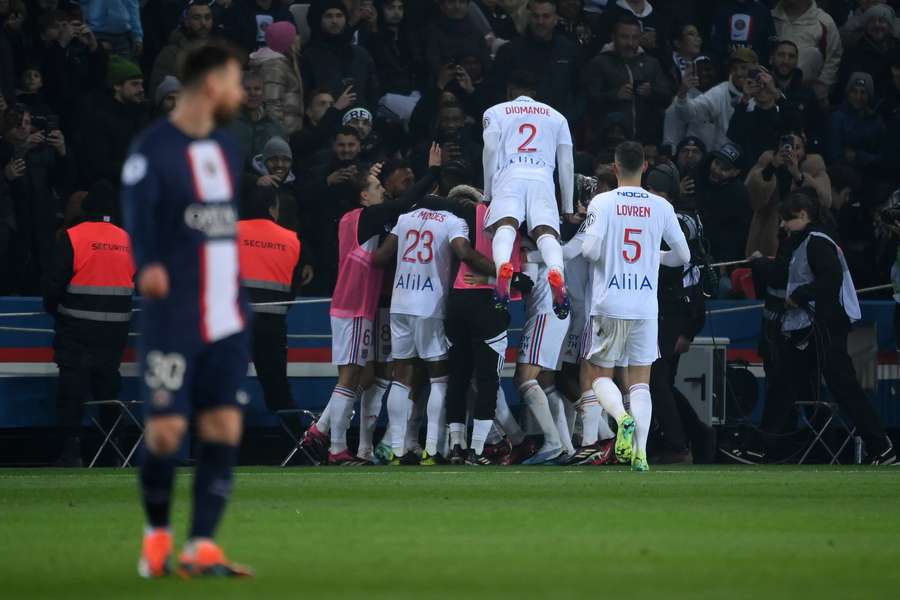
450	266
591	307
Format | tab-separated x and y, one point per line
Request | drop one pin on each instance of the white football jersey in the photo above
424	261
578	271
631	225
530	132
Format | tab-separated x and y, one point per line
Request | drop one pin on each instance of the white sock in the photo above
558	410
480	430
591	415
399	407
502	245
369	411
533	397
609	397
413	425
551	252
342	400
458	435
436	413
507	421
323	423
604	432
642	411
495	436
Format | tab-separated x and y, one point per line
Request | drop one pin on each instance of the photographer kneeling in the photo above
821	304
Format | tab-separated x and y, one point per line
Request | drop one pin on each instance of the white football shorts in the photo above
351	341
422	337
542	340
622	342
525	200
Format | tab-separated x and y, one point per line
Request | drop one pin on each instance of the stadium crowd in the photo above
737	103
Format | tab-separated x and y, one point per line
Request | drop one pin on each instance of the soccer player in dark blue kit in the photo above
178	198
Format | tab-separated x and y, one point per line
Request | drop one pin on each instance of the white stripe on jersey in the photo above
424	260
219	312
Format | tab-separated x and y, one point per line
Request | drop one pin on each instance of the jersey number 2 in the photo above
413	237
629	241
533	132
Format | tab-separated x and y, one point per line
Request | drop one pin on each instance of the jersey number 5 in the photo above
413	237
527	127
630	241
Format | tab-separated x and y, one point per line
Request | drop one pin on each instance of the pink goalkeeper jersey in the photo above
483	243
359	280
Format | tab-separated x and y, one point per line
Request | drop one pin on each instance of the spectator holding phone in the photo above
778	172
758	118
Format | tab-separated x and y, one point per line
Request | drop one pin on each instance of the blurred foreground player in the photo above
178	200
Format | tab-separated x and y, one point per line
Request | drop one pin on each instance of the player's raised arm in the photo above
386	251
680	253
565	164
491	137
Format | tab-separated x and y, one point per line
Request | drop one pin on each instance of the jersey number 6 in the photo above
629	241
413	237
533	132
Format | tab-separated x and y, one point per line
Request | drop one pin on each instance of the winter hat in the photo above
880	10
663	178
280	36
356	113
119	70
169	85
318	8
863	80
691	141
276	146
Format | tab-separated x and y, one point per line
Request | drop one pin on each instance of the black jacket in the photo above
333	62
105	136
726	214
555	64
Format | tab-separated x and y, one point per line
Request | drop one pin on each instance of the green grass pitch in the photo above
476	533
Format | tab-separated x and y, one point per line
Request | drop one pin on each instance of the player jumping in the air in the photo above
524	142
625	229
178	199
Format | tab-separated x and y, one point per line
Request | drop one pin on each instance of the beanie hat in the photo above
119	70
356	113
663	178
280	36
276	146
169	85
318	8
863	80
880	10
691	141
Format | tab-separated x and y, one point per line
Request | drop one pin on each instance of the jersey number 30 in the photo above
630	234
413	238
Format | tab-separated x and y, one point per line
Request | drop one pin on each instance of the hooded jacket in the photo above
282	88
818	39
715	105
333	62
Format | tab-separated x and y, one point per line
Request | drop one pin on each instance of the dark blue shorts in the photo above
179	379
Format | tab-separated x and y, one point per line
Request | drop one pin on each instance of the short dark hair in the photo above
522	79
347	130
626	20
392	165
256	205
202	58
553	2
805	198
630	157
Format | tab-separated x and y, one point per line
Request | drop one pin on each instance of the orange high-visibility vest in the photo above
268	255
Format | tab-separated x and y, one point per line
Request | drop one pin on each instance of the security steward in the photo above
88	291
270	272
